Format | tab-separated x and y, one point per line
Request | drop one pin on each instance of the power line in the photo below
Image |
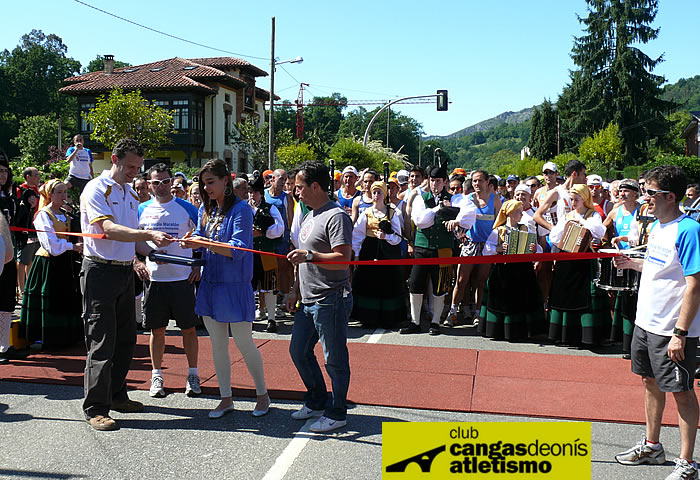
167	34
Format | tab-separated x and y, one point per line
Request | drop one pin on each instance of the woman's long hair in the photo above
218	168
8	184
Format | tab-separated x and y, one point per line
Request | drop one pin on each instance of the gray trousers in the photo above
110	333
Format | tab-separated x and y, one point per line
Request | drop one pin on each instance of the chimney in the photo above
109	64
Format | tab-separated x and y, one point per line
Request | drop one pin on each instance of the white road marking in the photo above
291	452
374	338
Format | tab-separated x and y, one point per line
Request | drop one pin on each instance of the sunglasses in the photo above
165	181
549	172
533	185
652	193
455	189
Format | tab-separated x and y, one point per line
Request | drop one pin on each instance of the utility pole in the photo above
388	118
558	133
271	140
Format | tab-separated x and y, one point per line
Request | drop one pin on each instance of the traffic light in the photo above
442	100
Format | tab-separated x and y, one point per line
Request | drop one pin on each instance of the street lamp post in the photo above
273	64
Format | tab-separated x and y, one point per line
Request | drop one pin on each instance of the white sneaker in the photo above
683	470
192	388
260	314
305	412
326	424
156	389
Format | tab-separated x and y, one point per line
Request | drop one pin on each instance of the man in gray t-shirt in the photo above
326	301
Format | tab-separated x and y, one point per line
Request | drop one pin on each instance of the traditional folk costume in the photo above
433	240
269	222
52	303
378	295
579	310
512	308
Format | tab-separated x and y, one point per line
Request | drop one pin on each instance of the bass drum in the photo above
614	279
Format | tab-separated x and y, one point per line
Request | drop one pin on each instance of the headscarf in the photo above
45	193
585	193
381	186
506	209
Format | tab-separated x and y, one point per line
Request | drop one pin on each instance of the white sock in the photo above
438	305
653	446
271	299
416	300
193	371
156	372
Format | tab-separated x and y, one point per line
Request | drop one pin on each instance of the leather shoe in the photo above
102	423
260	413
128	406
412	328
214	414
13	354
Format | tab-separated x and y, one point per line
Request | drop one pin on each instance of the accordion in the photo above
576	238
519	241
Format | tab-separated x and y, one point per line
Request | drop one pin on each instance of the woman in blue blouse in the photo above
225	296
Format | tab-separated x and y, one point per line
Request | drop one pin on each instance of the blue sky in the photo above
491	56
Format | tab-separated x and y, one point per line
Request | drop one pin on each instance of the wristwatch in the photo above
309	256
679	333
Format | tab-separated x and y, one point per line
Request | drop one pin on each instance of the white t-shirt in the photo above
176	218
80	166
673	252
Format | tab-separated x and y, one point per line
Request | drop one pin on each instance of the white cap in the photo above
594	180
522	188
402	177
606	185
351	169
550	166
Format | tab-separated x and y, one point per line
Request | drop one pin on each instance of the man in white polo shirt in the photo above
169	292
109	205
667	326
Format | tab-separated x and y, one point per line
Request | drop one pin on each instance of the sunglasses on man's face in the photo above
652	193
549	172
165	181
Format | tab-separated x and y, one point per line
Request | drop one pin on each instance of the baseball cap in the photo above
180	174
594	180
402	177
513	177
350	169
267	173
630	184
459	171
551	166
522	188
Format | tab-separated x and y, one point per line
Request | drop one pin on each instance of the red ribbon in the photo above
483	260
75	234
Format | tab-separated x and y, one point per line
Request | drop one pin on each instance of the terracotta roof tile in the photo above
230	62
171	74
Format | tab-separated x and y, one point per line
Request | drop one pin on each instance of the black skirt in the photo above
378	292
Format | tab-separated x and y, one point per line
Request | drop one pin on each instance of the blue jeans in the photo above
326	320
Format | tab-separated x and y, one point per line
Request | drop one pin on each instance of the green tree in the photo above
30	76
290	156
98	64
543	132
255	140
404	131
614	80
120	115
324	116
603	151
350	151
36	135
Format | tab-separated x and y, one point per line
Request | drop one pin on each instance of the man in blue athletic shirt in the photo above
667	326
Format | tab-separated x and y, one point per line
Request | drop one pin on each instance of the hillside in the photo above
685	92
505	117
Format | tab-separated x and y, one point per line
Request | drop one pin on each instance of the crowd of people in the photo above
162	247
